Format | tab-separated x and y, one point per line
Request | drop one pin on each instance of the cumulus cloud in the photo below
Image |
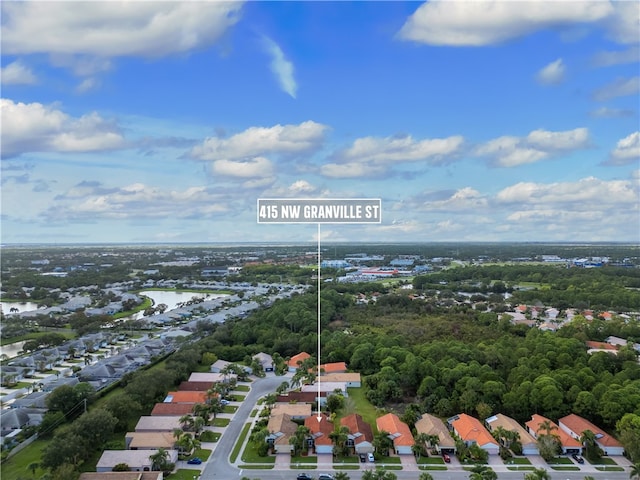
34	127
627	151
509	151
584	195
488	22
17	73
621	87
87	84
88	201
147	29
255	167
463	200
552	74
256	141
281	67
372	156
622	24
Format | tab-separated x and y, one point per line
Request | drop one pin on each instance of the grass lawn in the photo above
230	409
610	469
202	453
242	388
522	467
237	398
221	422
602	461
560	461
306	460
236	448
209	436
250	455
565	469
518	461
17	465
368	412
430	461
184	474
254	412
33	335
432	467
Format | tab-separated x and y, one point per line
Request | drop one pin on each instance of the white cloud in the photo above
373	156
606	112
627	150
34	127
609	58
586	194
463	200
279	139
88	84
255	167
17	73
552	74
401	149
301	187
621	87
90	201
488	22
281	68
105	29
623	24
509	151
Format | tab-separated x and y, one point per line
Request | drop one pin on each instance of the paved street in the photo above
218	466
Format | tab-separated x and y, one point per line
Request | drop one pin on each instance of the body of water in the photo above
172	299
21	306
12	349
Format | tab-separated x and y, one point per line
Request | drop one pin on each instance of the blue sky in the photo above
471	121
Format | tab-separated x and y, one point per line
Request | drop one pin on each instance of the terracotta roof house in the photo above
297	411
320	431
431	425
281	429
471	431
574	425
569	444
138	460
158	423
121	476
529	445
195	386
360	433
149	440
398	431
172	409
181	396
335	367
296	360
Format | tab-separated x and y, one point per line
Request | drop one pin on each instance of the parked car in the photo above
446	458
363	457
194	461
370	457
304	476
578	458
325	476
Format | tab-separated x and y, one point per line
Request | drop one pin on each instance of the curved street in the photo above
218	466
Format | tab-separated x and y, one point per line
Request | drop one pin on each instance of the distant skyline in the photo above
472	121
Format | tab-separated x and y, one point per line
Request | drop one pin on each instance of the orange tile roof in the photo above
319	430
356	425
470	429
601	345
187	397
391	424
335	367
578	425
297	359
566	440
172	409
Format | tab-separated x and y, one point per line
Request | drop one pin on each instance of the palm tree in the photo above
341	476
421	440
425	476
33	467
382	443
589	440
339	438
299	438
634	473
482	472
198	425
499	433
186	421
547	427
159	460
538	474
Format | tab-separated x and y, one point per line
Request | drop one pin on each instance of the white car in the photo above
371	458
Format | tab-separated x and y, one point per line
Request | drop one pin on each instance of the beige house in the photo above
149	440
430	425
297	411
281	429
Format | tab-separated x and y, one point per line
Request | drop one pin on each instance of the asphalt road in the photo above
218	466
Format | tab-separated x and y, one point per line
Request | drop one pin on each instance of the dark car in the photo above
363	457
578	458
194	461
446	458
304	476
325	476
